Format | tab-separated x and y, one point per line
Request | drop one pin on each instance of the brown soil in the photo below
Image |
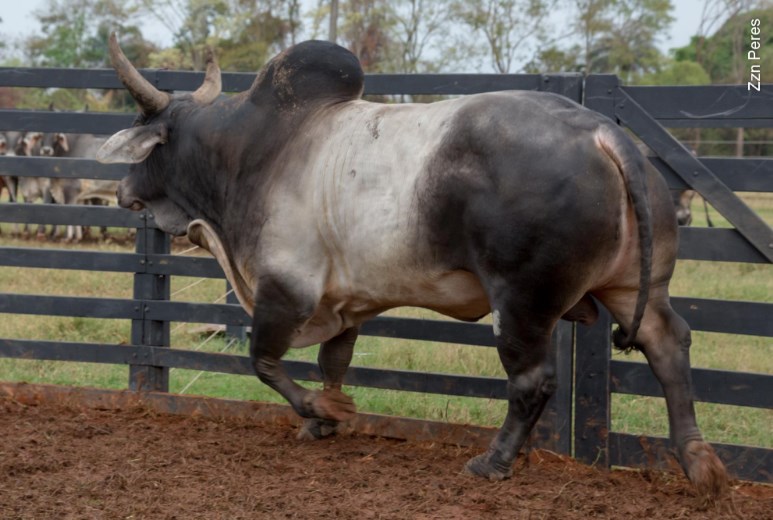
64	462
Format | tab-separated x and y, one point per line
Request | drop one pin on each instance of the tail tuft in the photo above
622	342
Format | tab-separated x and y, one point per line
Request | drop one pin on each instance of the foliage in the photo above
74	33
723	55
508	26
628	48
677	73
247	39
419	26
245	32
609	36
364	29
553	59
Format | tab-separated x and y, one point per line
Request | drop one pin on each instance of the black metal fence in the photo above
577	420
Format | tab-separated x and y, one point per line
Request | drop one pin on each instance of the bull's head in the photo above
54	145
150	146
26	144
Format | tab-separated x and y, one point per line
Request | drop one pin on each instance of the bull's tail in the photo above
630	163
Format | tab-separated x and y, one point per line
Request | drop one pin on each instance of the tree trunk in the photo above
333	28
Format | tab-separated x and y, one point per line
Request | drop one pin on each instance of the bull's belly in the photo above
457	294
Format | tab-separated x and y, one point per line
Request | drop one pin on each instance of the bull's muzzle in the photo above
126	200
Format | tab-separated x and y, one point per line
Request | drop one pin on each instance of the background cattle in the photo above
6	181
65	190
71	190
26	189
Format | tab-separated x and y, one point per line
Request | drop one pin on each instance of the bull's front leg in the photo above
280	310
334	358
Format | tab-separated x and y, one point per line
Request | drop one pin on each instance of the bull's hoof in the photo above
317	429
331	404
705	471
482	466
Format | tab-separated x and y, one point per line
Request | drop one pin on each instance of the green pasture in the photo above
632	414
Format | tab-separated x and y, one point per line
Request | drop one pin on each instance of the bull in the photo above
325	210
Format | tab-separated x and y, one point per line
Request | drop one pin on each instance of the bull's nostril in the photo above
137	206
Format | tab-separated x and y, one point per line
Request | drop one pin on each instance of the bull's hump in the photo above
309	71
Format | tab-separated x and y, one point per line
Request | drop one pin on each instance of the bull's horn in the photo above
149	98
210	89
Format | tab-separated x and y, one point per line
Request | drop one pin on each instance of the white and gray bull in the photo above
325	210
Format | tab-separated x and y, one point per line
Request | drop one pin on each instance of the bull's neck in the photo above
236	142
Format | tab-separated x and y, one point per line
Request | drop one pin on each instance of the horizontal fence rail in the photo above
719	106
737	174
751	318
711	244
62	167
595	375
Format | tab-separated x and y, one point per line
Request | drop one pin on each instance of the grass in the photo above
632	414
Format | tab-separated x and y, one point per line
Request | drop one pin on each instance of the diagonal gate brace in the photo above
694	173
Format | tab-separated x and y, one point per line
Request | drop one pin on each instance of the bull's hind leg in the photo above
523	344
664	338
334	358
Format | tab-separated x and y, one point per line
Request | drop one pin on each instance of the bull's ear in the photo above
132	145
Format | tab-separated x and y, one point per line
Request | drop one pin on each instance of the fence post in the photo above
591	400
554	429
238	332
599	94
149	287
568	85
593	348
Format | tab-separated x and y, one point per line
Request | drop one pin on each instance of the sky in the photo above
19	22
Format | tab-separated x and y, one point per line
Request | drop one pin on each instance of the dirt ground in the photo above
64	462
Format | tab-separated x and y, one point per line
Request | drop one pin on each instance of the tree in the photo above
2	40
723	53
509	27
713	16
417	27
245	32
677	73
252	34
365	30
554	59
724	57
593	21
627	46
74	33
